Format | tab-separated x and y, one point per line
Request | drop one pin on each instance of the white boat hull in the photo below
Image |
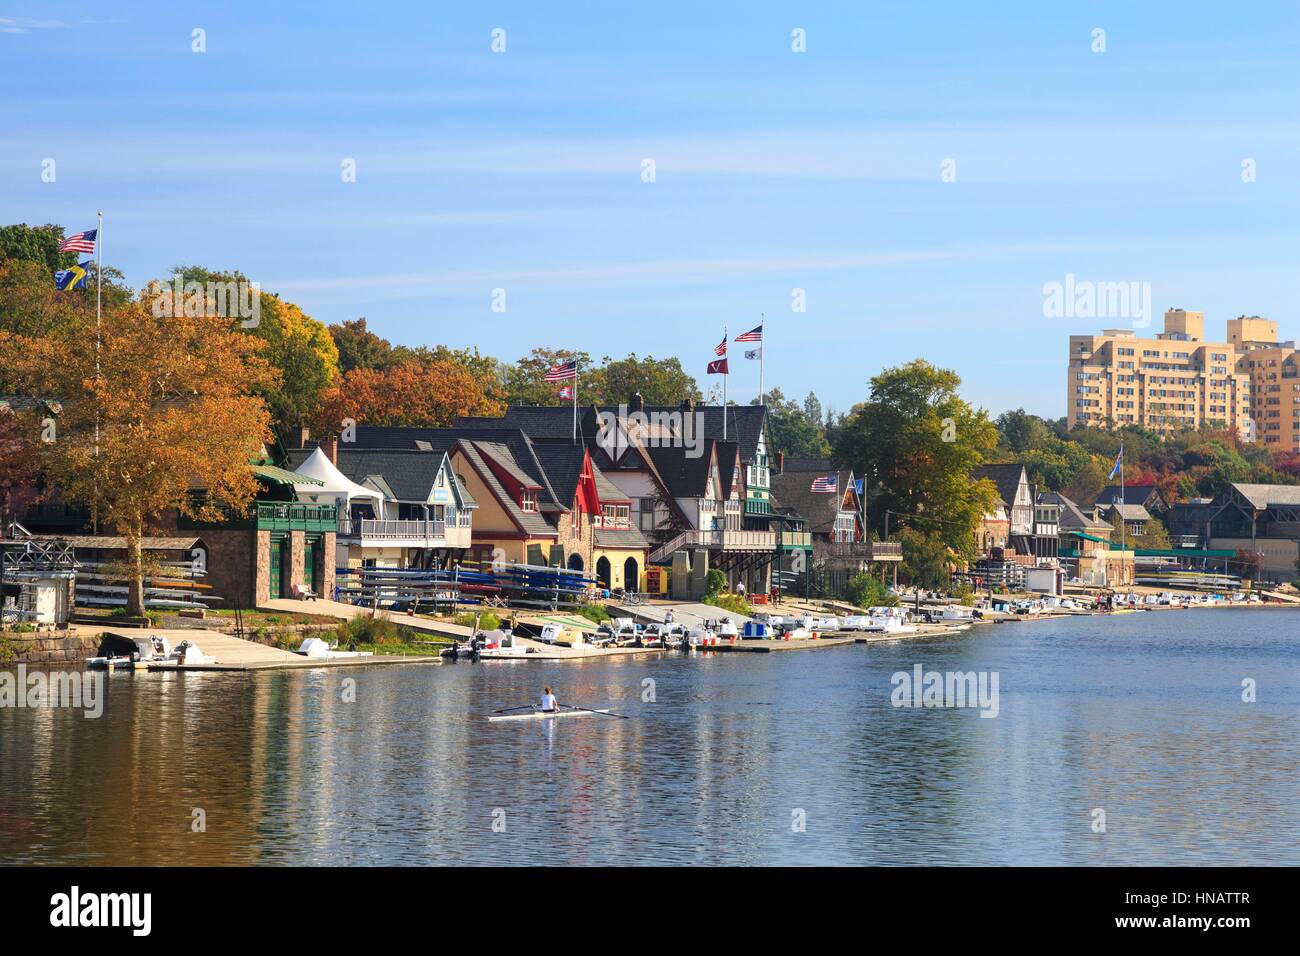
540	715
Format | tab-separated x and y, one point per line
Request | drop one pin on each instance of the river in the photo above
784	758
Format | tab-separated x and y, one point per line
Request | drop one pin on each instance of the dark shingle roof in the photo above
684	476
407	473
808	464
1132	495
532	522
744	422
1006	477
794	491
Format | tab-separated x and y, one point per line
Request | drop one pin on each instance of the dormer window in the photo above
528	500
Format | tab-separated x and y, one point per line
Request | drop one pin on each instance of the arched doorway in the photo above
575	562
602	571
631	576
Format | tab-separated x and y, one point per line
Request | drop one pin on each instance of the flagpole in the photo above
575	401
725	375
762	342
1123	529
99	308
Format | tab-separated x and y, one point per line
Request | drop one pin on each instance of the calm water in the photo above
1139	714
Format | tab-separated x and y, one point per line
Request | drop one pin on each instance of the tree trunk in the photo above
135	563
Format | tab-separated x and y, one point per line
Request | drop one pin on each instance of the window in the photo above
528	501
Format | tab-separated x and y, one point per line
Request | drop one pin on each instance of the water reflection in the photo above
1140	715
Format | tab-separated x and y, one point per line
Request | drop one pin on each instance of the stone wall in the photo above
232	567
46	648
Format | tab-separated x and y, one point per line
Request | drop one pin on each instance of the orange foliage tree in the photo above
171	410
420	394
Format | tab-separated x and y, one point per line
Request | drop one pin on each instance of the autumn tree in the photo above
916	441
412	394
171	410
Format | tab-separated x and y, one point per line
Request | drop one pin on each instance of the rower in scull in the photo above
549	703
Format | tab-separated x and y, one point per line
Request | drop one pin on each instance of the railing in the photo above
290	516
864	550
401	529
796	539
718	539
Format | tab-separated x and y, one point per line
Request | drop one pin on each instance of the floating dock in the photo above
236	654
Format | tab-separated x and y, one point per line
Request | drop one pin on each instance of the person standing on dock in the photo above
549	703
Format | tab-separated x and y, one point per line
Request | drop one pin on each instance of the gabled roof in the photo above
683	475
401	474
1128	512
808	464
477	453
1262	497
744	422
1131	494
1073	517
728	465
794	492
1005	477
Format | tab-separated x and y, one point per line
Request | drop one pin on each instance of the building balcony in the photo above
398	533
270	516
862	550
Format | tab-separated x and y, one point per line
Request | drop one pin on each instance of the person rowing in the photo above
549	704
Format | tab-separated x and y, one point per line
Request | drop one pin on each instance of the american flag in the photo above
563	372
722	346
825	484
81	242
566	392
753	335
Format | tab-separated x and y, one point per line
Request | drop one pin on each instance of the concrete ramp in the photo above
346	612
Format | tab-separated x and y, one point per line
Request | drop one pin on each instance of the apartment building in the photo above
1175	380
1274	380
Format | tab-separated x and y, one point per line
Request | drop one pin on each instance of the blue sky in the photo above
775	170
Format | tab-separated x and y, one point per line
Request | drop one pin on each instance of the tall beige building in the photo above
1174	380
1274	380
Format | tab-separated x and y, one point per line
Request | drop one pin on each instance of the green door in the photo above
276	562
309	564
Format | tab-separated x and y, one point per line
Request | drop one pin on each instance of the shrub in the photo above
364	629
729	602
715	581
863	590
487	621
595	613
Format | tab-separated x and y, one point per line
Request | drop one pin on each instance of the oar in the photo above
599	712
506	710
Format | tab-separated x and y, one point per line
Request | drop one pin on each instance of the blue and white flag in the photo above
1119	464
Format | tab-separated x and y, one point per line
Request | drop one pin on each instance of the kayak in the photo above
542	715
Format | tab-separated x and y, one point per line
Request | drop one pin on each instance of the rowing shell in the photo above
542	715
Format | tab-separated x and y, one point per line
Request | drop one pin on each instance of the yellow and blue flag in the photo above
73	278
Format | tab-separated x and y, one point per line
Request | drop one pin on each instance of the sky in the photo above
919	171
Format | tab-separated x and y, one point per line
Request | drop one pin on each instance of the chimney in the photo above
332	450
304	436
688	404
636	403
780	463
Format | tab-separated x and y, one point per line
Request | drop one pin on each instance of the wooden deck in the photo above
345	612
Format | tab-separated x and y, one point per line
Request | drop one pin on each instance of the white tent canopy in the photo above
336	486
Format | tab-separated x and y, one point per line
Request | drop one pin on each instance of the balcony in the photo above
718	539
269	516
394	533
862	550
795	540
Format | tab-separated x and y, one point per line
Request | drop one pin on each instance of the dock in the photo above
236	654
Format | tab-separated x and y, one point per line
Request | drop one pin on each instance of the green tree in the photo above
926	558
358	347
864	590
916	441
660	381
525	381
38	244
793	429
